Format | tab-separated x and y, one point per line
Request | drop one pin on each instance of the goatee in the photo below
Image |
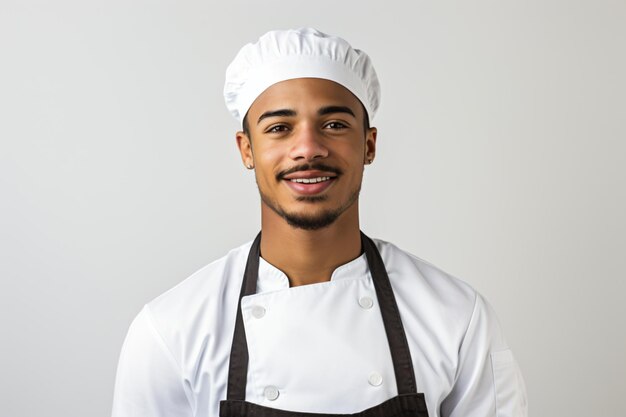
311	222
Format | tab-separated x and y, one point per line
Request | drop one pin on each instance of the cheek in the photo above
352	155
268	162
271	155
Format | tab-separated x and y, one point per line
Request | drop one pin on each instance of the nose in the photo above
307	144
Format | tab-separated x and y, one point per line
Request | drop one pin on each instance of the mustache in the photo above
306	167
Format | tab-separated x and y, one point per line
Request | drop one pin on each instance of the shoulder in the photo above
204	284
174	332
403	266
427	291
199	305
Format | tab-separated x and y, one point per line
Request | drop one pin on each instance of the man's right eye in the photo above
276	129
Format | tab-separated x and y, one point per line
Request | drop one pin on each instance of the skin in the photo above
317	128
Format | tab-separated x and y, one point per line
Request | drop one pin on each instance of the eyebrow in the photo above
335	109
277	113
321	112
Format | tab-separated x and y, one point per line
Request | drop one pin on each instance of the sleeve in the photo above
149	382
488	380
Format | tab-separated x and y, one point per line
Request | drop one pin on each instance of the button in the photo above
271	392
375	379
258	312
366	302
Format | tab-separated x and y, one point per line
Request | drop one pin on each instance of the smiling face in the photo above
307	142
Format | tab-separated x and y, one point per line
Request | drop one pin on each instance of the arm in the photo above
149	381
488	380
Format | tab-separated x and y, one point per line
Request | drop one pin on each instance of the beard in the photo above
311	221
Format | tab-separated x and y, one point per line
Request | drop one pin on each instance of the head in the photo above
308	140
304	100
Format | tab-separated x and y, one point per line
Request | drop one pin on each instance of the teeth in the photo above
310	180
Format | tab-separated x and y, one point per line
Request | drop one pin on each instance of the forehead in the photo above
302	94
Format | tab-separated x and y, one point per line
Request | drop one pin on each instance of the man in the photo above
313	316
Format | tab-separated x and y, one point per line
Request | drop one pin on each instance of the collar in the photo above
273	279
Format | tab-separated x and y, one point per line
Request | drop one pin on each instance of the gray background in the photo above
500	159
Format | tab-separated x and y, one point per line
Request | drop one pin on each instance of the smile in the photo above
310	180
310	186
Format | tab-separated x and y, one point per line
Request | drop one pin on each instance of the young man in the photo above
313	316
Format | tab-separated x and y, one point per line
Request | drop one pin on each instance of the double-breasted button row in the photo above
365	302
271	392
375	379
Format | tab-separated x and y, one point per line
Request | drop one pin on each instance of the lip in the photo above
309	174
309	189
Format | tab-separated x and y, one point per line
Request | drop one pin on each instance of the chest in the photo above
318	340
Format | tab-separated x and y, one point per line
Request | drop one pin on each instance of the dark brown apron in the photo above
408	402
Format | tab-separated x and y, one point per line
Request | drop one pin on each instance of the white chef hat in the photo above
281	55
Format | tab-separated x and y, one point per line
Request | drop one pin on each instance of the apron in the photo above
408	402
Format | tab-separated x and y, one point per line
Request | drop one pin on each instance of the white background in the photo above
501	159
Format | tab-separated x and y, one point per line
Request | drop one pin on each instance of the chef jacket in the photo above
317	348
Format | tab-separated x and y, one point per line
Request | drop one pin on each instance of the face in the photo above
308	145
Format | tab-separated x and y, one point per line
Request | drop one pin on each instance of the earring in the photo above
369	161
249	166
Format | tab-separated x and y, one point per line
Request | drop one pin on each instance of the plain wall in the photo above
501	159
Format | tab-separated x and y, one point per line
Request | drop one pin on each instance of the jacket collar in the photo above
273	279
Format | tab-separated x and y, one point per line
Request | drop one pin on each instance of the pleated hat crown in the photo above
281	55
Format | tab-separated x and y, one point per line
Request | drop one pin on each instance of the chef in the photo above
313	316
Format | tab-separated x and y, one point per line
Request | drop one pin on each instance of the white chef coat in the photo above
317	348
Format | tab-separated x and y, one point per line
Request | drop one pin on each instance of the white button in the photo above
258	312
366	302
375	379
270	392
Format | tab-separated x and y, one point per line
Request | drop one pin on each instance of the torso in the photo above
315	339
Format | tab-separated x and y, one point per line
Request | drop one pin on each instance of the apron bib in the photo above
408	402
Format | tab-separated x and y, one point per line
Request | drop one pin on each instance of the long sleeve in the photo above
148	381
488	380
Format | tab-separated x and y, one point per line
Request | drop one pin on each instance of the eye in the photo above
277	129
335	125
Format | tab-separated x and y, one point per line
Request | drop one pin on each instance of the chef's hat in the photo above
281	55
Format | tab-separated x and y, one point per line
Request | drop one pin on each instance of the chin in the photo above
311	222
311	216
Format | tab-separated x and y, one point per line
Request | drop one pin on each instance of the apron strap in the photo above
238	366
396	337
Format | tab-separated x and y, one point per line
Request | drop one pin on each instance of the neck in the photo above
310	256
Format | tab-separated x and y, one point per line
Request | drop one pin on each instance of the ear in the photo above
245	149
370	145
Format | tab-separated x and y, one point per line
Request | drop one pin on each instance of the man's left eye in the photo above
335	125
